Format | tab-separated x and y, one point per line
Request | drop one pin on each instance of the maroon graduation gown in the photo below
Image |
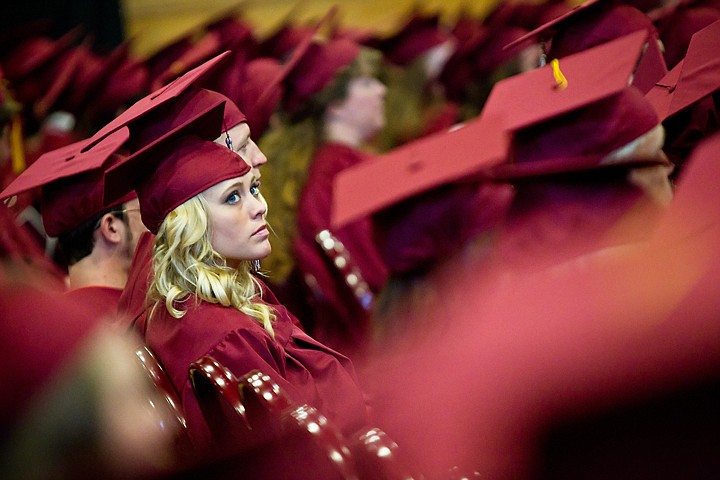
308	371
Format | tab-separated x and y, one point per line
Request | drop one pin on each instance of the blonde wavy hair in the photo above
184	263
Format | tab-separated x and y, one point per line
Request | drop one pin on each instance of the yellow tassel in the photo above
17	146
560	80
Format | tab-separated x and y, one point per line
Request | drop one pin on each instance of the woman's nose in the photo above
259	206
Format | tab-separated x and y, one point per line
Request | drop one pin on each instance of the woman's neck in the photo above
340	132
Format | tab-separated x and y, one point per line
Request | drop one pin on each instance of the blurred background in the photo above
152	24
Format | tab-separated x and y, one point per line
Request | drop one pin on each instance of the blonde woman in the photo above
203	203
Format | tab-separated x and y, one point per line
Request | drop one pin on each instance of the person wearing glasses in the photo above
96	240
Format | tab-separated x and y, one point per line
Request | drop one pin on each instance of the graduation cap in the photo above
159	97
175	167
192	104
225	32
35	53
71	182
693	78
564	119
677	23
317	68
593	23
257	85
127	82
416	167
427	197
588	24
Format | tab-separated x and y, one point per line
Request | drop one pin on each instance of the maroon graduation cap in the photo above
693	78
417	167
71	182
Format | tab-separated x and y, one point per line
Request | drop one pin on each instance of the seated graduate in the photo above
203	203
97	239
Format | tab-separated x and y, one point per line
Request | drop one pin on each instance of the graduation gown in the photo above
340	318
306	370
102	301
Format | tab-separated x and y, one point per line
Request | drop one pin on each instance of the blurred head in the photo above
116	230
81	405
363	107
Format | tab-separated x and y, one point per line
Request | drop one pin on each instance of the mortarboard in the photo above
62	74
207	47
262	92
416	167
317	68
256	86
194	102
199	112
264	85
676	25
152	101
176	166
178	169
35	53
128	81
536	95
285	39
563	119
98	74
427	197
593	23
587	25
71	180
694	77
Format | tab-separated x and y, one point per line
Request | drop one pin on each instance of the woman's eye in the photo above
233	198
255	189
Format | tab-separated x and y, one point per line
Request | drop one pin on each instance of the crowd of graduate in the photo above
477	249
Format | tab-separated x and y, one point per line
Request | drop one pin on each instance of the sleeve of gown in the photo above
240	351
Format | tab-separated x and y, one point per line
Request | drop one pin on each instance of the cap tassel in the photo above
560	81
228	140
16	145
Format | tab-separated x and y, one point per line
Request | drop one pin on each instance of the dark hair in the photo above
79	242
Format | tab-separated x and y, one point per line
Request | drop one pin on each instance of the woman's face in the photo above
237	219
364	105
243	145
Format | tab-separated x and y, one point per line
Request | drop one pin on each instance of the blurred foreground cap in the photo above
693	78
576	81
417	167
678	23
41	330
563	118
622	130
